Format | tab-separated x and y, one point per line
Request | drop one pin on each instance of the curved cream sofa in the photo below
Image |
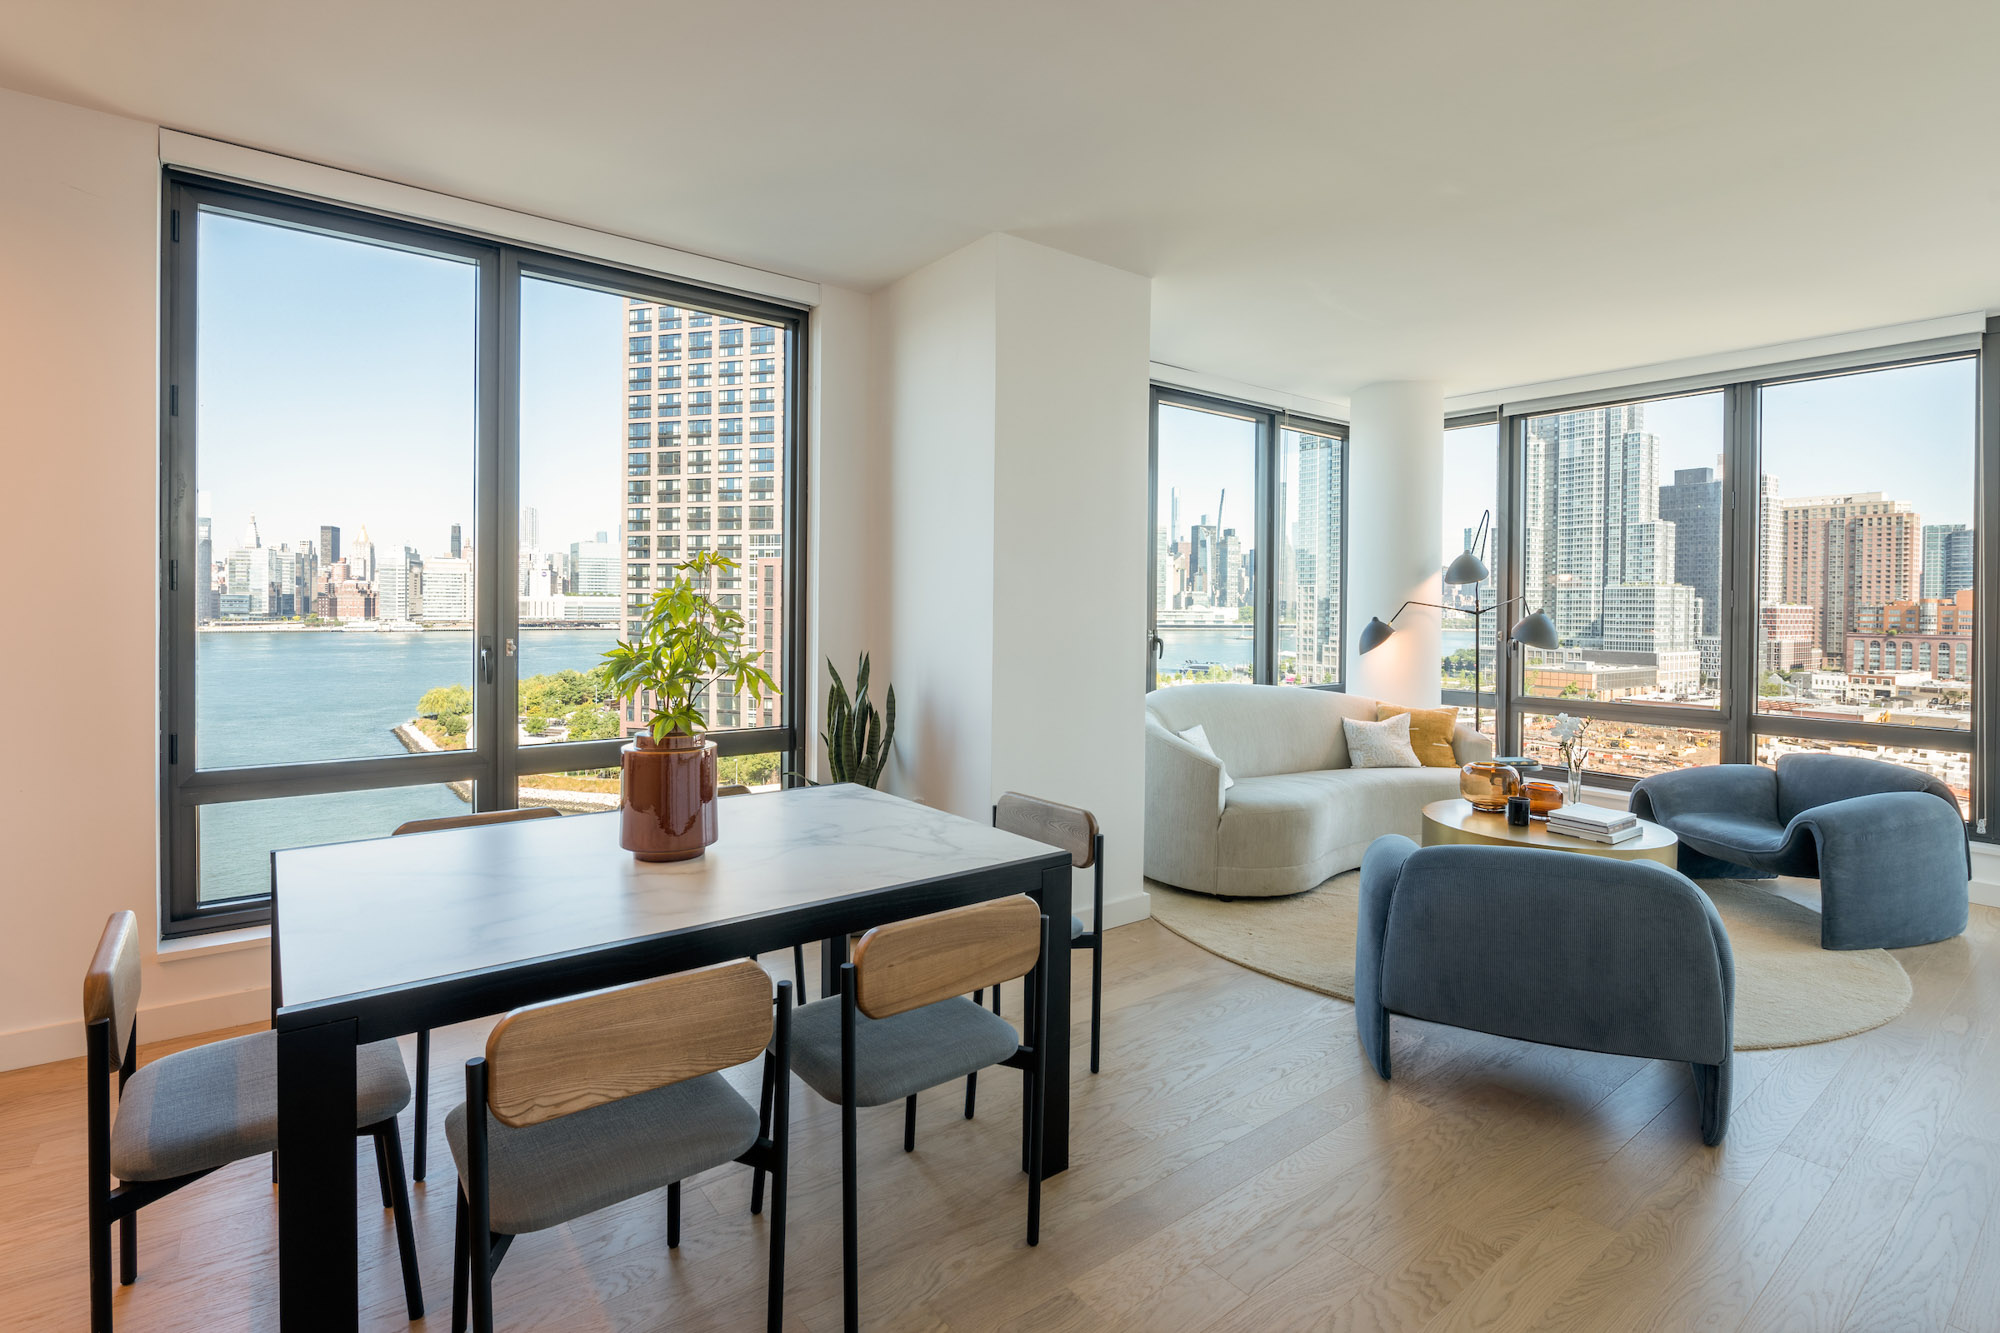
1297	813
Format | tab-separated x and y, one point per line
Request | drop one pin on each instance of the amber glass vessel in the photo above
1487	785
1542	798
668	797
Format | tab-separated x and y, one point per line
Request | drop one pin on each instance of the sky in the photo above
337	385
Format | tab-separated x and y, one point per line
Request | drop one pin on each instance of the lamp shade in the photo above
1375	633
1466	568
1536	630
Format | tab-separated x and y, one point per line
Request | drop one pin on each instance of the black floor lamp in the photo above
1534	629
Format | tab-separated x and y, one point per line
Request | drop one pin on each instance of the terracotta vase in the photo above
667	797
1542	798
1486	784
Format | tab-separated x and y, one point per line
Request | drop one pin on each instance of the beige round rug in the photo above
1789	991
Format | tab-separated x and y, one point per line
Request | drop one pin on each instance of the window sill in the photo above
216	942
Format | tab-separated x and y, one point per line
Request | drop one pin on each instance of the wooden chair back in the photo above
111	986
551	1060
914	963
474	821
1065	826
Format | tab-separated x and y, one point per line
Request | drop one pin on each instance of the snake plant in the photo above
857	739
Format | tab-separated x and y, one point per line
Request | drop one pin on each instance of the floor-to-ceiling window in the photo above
1742	569
1621	544
1248	543
399	502
1866	578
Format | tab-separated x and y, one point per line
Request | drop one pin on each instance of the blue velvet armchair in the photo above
1586	952
1887	845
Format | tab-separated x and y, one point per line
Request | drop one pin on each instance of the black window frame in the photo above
495	761
1270	423
1738	720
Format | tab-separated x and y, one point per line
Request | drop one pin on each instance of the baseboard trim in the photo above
1124	910
64	1041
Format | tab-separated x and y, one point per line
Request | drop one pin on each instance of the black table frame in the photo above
318	1249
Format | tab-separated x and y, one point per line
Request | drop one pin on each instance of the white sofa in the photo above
1297	813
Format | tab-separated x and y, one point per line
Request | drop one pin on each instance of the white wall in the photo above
78	369
1015	407
1070	593
1395	472
938	329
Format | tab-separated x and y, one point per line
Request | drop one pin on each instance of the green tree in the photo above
592	722
444	700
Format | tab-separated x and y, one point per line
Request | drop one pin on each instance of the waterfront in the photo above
1197	648
308	697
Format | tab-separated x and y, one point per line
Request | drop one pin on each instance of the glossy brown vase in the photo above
1487	785
667	797
1542	798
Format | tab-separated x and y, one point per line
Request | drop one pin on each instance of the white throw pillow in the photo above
1198	738
1380	744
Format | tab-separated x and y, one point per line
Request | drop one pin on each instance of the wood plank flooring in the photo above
1236	1167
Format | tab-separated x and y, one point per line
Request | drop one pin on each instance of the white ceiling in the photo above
1325	194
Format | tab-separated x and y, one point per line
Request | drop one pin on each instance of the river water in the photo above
288	697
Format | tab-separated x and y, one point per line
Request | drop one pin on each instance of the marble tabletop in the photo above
359	917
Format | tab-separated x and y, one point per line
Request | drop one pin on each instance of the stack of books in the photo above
1594	824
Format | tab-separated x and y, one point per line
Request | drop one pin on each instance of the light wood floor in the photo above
1236	1167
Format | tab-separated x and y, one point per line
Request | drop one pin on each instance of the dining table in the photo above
380	938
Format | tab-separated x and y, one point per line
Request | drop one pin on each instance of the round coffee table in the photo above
1455	821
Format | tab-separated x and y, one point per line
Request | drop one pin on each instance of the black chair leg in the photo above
389	1144
128	1249
971	1093
382	1170
1096	994
765	1130
100	1261
420	1129
674	1216
910	1123
798	974
461	1268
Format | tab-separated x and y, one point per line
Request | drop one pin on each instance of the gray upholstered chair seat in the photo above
546	1174
212	1105
897	1056
1733	835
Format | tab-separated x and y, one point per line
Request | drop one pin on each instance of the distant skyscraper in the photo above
329	545
1948	555
1593	515
457	551
1316	560
1845	552
531	528
204	563
447	591
701	470
594	568
1693	504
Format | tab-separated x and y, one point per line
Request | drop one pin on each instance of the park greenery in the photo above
561	705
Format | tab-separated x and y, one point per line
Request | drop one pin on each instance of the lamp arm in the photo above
1413	602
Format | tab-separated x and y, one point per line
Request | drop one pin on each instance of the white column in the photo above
1394	487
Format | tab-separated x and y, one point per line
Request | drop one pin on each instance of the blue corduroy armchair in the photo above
1560	948
1887	845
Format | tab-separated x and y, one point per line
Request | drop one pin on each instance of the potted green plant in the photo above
687	642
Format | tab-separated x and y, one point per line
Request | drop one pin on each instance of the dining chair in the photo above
420	1145
187	1114
1075	831
589	1101
901	1024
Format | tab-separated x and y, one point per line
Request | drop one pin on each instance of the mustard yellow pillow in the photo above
1430	732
